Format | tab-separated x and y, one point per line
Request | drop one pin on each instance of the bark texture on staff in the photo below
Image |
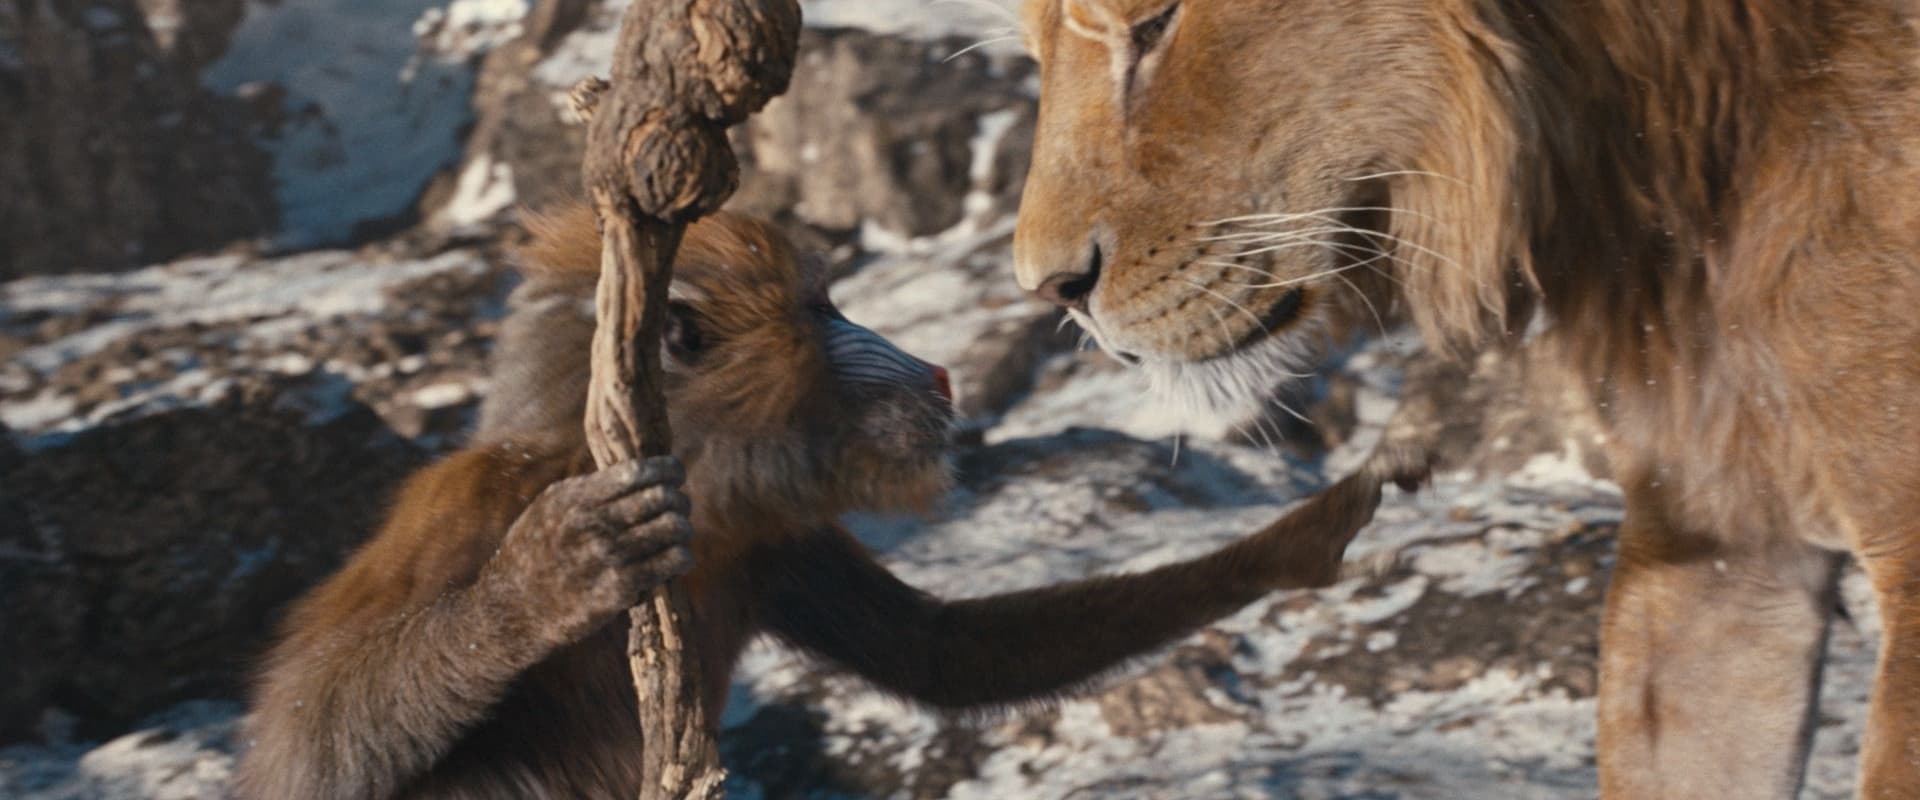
657	157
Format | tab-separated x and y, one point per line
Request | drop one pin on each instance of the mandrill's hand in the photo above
589	546
1305	548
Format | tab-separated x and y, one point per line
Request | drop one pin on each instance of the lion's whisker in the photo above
1263	247
1385	274
1294	281
1226	334
1378	321
1279	217
1274	370
1333	226
1337	226
1295	414
1368	263
1397	240
977	45
1352	249
1260	427
1254	236
1242	267
1229	301
1399	172
1418	248
1308	277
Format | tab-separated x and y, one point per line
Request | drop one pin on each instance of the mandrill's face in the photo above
798	407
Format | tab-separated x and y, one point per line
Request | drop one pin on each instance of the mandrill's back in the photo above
566	727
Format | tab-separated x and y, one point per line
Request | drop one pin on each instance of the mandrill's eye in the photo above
1148	32
683	338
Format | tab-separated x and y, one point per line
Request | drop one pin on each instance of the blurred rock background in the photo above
253	255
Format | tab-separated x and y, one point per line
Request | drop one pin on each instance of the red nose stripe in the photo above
941	383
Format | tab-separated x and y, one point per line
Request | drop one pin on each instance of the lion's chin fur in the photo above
1237	384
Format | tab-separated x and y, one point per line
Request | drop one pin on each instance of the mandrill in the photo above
475	647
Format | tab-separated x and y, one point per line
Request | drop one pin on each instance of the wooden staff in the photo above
657	158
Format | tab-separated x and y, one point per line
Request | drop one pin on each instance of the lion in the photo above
1708	210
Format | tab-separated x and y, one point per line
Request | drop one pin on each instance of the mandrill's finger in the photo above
1406	467
645	539
1412	478
660	471
597	488
642	506
663	566
625	478
1370	566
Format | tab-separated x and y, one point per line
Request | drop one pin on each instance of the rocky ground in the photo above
186	446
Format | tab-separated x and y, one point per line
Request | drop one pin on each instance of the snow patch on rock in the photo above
239	305
483	190
994	22
186	753
368	118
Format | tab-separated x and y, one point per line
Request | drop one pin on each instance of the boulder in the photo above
111	153
194	444
149	558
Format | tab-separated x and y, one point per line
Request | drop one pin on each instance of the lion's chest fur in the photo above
1791	408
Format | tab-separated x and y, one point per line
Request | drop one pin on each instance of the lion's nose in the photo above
1070	289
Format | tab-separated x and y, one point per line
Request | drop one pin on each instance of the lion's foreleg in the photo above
1710	660
1890	761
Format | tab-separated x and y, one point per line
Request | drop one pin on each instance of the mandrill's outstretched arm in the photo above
826	595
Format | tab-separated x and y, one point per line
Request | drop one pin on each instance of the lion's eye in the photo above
1147	33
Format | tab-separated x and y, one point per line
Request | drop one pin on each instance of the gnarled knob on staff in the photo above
701	67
